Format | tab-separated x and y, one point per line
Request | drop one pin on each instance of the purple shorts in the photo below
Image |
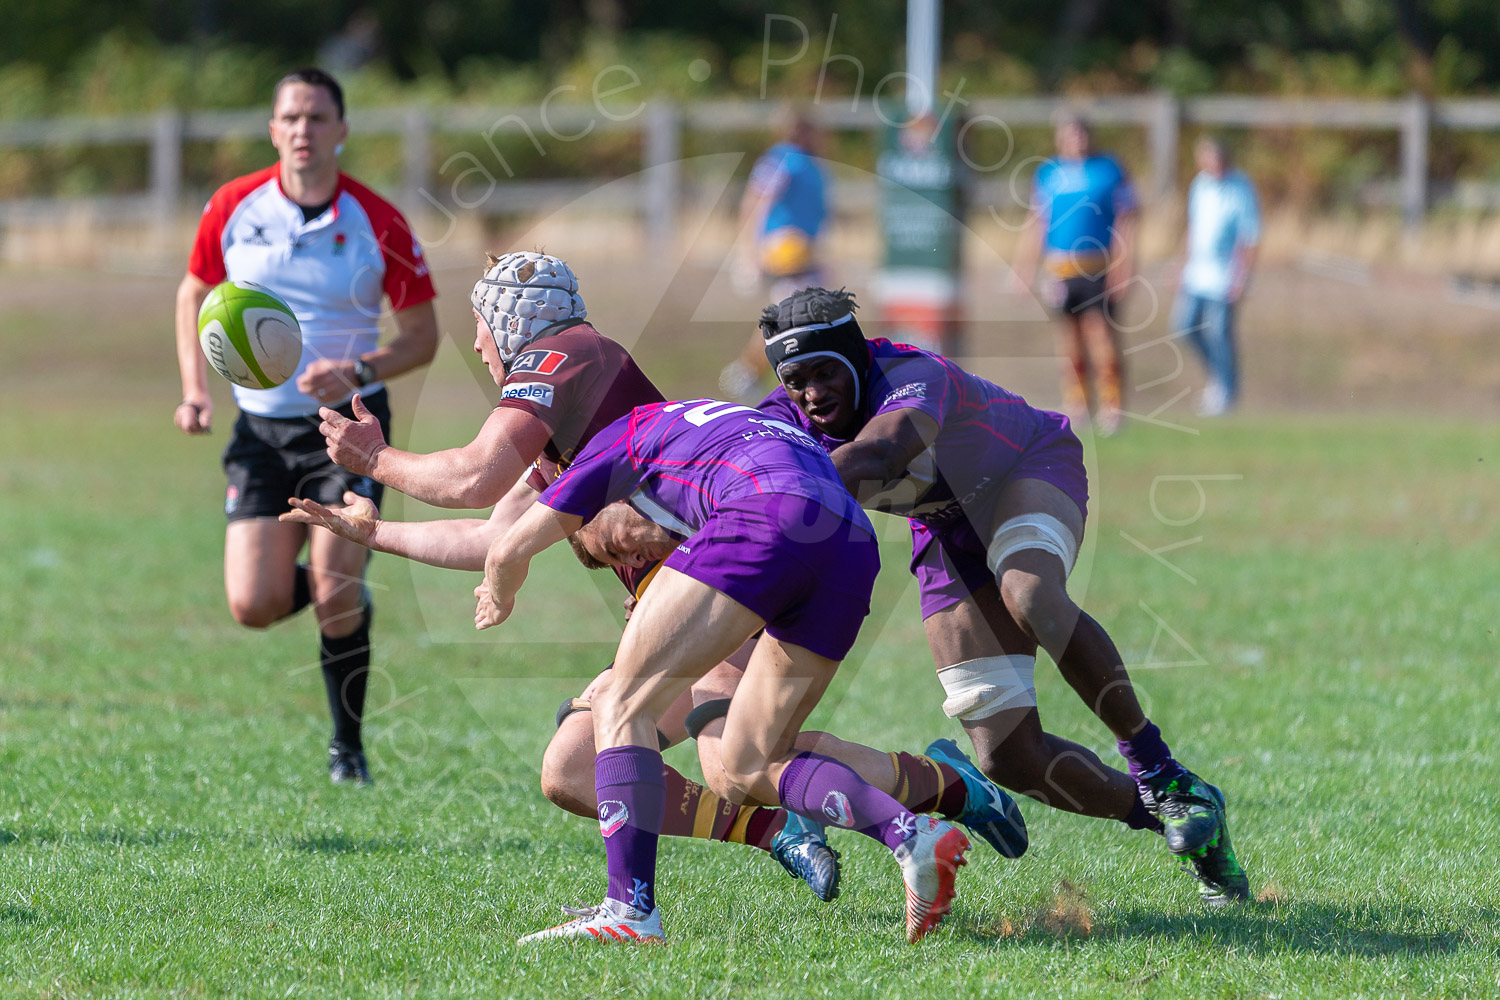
950	563
802	567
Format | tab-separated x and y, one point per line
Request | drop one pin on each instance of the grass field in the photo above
1315	633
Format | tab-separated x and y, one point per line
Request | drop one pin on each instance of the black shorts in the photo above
1075	295
272	458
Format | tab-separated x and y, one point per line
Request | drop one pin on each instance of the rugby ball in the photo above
249	335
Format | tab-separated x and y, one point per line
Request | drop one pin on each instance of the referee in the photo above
333	249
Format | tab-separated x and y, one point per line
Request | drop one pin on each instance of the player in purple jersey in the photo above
773	542
561	383
996	494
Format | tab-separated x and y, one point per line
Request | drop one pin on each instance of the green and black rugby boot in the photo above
1189	809
1221	880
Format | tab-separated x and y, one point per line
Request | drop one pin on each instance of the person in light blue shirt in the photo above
1222	237
782	213
1081	231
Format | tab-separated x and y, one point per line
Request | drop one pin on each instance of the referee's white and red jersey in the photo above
332	270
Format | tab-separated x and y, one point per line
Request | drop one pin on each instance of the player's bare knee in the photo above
746	774
340	609
813	741
257	611
567	776
1040	606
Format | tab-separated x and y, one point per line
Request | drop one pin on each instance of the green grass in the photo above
167	829
1318	640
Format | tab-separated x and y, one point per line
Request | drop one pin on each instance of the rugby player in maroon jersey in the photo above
561	382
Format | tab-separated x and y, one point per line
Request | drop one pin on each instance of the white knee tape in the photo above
977	689
1032	531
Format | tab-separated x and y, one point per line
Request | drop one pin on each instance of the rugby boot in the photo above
1187	808
611	922
346	765
1221	880
989	813
802	848
930	859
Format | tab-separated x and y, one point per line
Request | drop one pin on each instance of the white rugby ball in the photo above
249	335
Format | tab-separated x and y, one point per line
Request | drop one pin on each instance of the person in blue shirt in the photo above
1082	231
1223	236
784	206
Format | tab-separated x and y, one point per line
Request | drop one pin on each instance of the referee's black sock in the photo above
301	590
346	674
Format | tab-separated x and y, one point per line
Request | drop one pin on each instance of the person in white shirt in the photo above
334	250
1222	238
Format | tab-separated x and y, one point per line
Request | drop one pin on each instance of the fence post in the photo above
1166	122
1416	131
166	164
662	162
416	141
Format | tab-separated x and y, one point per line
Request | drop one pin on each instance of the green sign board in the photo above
920	207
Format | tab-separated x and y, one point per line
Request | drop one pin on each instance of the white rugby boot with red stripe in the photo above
611	922
930	860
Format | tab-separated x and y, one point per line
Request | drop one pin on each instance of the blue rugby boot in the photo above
802	848
989	813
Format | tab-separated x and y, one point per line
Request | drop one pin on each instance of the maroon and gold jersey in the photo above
577	382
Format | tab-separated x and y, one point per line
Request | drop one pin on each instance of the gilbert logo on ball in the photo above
249	335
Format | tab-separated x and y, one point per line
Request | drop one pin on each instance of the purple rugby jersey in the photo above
677	463
986	436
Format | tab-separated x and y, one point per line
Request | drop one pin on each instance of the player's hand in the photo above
194	415
354	444
356	520
326	380
489	610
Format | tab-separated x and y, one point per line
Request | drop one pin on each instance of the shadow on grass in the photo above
325	843
342	843
1260	927
109	836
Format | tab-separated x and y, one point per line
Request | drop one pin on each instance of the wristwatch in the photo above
364	372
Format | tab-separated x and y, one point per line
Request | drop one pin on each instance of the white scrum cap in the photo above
522	295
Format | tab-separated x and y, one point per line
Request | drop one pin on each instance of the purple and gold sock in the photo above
632	803
823	789
1148	756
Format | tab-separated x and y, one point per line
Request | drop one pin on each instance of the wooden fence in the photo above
661	127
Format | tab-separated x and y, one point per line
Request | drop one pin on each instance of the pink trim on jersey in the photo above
685	482
680	462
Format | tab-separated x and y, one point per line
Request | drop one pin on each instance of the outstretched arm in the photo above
510	556
449	544
472	477
884	449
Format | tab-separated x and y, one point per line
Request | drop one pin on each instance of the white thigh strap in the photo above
1032	531
980	688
